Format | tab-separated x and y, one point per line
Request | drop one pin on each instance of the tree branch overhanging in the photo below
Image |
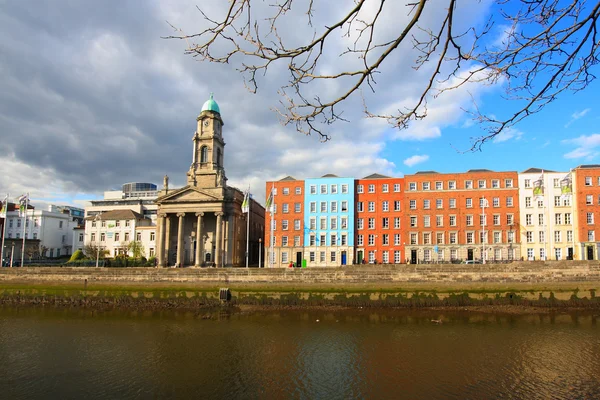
549	47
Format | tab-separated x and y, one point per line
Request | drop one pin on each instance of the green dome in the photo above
211	105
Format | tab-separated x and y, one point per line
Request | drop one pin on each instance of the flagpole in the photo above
24	229
5	208
271	257
248	226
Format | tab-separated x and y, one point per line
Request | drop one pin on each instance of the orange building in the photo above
288	223
379	213
586	187
461	216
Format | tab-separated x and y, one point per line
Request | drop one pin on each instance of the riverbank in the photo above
516	297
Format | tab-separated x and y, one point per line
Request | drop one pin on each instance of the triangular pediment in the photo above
188	194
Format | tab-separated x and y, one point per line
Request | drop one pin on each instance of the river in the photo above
297	354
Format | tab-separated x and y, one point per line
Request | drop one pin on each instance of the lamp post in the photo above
12	253
98	218
259	251
510	241
483	206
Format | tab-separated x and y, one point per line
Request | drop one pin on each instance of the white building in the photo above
547	220
53	227
121	217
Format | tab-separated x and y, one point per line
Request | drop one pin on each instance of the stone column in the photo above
199	239
167	239
218	239
180	249
226	240
160	249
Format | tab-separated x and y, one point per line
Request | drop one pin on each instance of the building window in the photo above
396	257
285	208
385	223
333	222
528	202
451	185
452	203
385	188
323	189
469	220
128	223
204	154
359	240
152	236
138	236
333	189
332	256
297	208
588	181
396	239
440	238
126	236
439	203
311	256
385	206
396	205
371	206
557	236
396	222
426	204
556	201
439	220
81	237
529	236
528	219
439	185
589	200
371	240
452	220
468	184
344	206
558	219
495	183
470	238
413	204
93	237
385	239
452	237
413	238
296	224
345	188
510	219
396	187
469	203
344	222
496	202
35	236
385	258
102	237
508	183
527	183
496	219
284	241
541	219
296	241
313	206
284	224
371	188
425	185
590	218
481	184
567	218
312	223
509	202
371	223
312	240
426	222
313	189
298	190
286	191
359	206
344	240
323	223
323	205
359	189
569	236
359	223
426	238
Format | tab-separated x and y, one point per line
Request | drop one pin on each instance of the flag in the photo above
566	186
538	187
4	207
246	203
23	199
269	205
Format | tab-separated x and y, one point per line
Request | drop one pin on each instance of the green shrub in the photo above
78	255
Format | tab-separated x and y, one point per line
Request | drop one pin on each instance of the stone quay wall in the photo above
516	272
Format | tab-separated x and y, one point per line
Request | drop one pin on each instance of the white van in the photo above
472	262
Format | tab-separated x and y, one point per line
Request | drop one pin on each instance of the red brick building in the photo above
288	222
460	216
379	227
586	188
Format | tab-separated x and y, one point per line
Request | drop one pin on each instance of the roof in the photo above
426	172
588	166
480	170
287	178
211	105
117	215
330	176
376	176
536	171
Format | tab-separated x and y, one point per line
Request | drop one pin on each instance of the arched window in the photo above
203	154
219	157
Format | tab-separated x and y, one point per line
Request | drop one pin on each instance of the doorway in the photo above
359	257
413	256
298	259
343	258
590	252
569	253
469	254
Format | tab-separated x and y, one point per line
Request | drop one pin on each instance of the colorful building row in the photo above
427	217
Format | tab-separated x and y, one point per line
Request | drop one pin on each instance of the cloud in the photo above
586	145
416	159
99	99
508	134
577	115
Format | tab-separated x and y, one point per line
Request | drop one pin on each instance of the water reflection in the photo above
297	354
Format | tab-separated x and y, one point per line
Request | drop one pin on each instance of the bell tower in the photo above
207	169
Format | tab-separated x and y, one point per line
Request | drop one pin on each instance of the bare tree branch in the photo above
549	47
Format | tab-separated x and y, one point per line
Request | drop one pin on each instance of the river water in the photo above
316	354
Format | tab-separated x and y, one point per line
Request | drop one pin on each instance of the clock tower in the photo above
207	169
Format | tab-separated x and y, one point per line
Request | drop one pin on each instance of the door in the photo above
469	254
569	253
413	256
299	259
343	258
590	252
359	257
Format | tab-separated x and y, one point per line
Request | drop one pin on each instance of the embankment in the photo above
564	284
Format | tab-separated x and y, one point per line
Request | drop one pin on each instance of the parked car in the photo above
472	262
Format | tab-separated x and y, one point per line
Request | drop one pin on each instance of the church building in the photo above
202	223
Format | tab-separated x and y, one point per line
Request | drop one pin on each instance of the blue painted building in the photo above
329	221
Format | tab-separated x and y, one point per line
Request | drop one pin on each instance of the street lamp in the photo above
484	204
97	218
259	251
510	241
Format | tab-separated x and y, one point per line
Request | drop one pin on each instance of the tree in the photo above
92	251
77	255
547	47
137	249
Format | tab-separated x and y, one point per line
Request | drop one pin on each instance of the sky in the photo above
92	96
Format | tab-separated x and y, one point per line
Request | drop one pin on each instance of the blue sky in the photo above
93	97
